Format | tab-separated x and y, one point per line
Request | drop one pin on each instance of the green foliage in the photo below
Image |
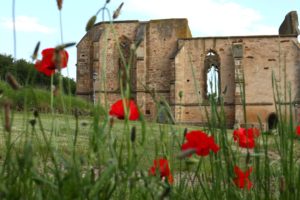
40	99
26	74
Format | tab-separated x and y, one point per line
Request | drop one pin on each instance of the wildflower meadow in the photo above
76	150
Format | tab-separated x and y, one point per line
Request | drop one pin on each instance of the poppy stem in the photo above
61	27
14	28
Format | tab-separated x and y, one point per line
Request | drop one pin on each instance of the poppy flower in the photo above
298	130
200	142
50	61
242	180
246	137
162	166
117	110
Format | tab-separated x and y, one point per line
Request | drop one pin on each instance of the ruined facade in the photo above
169	62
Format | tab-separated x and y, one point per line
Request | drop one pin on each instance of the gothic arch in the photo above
212	75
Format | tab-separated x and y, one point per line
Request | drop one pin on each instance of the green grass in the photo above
64	156
34	98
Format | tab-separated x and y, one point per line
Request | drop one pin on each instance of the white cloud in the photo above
206	17
26	24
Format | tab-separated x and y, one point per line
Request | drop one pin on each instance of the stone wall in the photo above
150	74
262	55
169	61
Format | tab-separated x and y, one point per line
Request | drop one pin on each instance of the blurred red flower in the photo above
242	178
162	166
117	110
246	137
298	130
200	142
50	61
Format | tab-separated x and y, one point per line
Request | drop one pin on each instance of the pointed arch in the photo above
212	76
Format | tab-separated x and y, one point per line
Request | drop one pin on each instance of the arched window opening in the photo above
272	121
212	75
212	82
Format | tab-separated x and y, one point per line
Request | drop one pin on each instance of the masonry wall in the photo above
161	43
261	56
100	48
150	73
166	65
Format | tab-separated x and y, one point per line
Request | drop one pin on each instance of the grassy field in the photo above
60	130
71	156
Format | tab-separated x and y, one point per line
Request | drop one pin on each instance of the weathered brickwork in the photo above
169	61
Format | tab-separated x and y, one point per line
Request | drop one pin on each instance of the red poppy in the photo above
298	130
200	142
162	166
246	137
242	178
117	110
48	63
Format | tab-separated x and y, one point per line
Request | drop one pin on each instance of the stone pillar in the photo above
141	78
237	53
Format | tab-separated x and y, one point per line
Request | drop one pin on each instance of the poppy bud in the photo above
65	45
118	11
111	122
36	50
282	184
186	153
84	124
32	122
35	113
7	116
180	94
248	158
59	4
55	90
91	23
133	134
185	132
12	81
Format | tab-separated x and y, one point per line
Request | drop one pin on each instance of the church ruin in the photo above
169	62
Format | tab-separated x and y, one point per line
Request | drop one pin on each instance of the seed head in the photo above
36	113
111	122
90	23
133	134
36	50
185	132
282	184
65	45
7	125
248	158
118	11
186	153
180	94
11	80
84	123
32	122
59	4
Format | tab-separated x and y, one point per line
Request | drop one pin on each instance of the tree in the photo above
26	74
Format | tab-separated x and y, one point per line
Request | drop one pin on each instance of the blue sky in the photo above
39	20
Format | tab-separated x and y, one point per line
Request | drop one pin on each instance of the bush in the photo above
41	99
26	74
